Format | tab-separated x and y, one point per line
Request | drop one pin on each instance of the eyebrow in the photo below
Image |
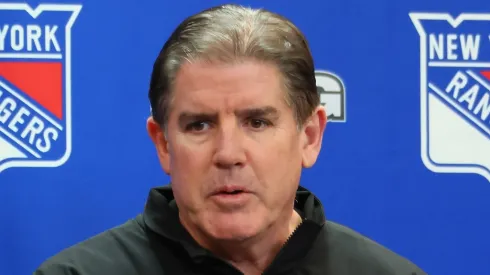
269	111
258	112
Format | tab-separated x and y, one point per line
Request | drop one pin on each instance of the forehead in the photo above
219	86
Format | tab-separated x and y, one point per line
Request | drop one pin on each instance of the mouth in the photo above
230	190
231	197
236	192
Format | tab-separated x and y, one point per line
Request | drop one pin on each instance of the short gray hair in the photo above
231	33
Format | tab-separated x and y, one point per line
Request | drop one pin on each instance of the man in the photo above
235	117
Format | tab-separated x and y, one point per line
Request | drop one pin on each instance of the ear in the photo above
312	133
158	137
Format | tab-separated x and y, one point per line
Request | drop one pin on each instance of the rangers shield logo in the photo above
455	92
35	84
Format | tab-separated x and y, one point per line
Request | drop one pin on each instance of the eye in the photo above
197	126
258	123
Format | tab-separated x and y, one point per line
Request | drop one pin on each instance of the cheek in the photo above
188	166
188	161
279	162
184	151
283	147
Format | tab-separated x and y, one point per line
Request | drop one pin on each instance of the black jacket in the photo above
155	243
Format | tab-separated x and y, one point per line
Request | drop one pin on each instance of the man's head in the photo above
235	107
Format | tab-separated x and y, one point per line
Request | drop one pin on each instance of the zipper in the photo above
283	246
281	250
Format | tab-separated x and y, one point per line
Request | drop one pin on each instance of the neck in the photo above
254	255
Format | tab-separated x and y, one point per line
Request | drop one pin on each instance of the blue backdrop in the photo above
405	161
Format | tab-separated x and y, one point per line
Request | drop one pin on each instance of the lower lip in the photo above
231	200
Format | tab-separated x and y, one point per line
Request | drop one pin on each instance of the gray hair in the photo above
231	33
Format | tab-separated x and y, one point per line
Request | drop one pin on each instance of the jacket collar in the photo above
161	216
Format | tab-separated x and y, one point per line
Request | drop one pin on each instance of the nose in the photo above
229	150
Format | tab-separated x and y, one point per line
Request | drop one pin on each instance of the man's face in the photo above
233	149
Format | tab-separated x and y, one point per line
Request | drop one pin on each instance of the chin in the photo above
234	227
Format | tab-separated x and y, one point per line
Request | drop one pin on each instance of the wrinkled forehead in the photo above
226	87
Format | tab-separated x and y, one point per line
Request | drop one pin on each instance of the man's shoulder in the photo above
114	251
364	255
